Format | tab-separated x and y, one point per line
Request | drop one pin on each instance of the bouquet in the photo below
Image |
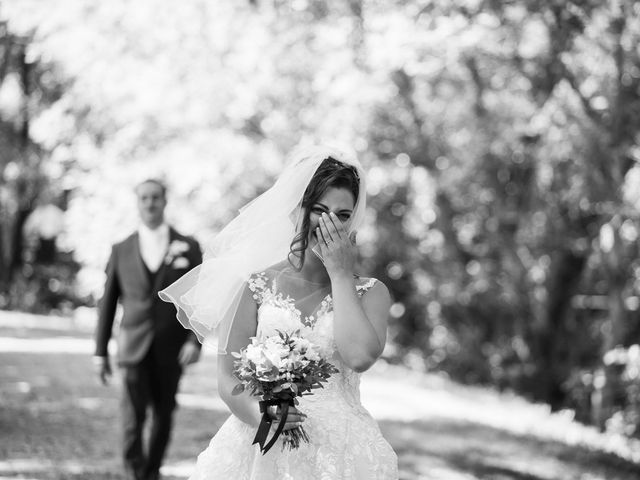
279	369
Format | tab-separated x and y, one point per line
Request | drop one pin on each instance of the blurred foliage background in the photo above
501	140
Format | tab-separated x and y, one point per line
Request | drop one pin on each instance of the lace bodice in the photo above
278	311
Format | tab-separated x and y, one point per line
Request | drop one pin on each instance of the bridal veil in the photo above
208	296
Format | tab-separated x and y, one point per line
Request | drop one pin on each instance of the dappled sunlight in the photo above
83	321
439	429
397	394
202	402
46	345
90	403
455	447
178	469
31	465
23	468
501	149
500	140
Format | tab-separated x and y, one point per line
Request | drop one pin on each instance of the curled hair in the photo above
330	174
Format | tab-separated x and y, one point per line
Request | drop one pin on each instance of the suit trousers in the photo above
147	385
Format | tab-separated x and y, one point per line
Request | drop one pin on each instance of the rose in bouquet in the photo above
279	369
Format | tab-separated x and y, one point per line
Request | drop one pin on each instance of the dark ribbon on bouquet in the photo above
265	422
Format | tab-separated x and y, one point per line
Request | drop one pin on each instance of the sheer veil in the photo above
208	296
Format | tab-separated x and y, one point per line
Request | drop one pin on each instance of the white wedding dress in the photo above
345	441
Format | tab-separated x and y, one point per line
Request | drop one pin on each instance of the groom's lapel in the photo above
138	263
159	278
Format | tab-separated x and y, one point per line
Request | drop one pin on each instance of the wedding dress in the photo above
345	441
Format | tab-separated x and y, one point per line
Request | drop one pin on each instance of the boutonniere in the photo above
174	254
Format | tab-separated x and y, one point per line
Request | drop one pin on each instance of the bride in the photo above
287	263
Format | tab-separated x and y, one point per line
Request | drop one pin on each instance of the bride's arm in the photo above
359	324
244	325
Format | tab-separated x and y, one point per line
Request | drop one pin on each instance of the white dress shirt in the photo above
153	245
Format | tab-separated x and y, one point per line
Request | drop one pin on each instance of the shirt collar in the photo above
161	232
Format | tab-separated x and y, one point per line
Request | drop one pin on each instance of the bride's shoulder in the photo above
262	281
268	273
373	292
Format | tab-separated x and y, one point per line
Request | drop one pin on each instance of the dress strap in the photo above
364	288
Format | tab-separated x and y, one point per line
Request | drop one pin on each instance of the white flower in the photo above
274	360
301	344
313	354
279	319
254	353
178	247
180	262
275	351
274	342
293	361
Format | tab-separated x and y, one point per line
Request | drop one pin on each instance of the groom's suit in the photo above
149	341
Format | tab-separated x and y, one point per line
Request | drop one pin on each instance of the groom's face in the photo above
151	203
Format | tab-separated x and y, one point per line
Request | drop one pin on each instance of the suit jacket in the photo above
147	321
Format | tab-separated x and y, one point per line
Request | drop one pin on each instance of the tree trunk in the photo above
25	187
611	389
551	334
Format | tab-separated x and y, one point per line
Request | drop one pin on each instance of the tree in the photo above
20	158
524	114
500	139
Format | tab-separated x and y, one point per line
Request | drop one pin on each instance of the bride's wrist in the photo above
341	277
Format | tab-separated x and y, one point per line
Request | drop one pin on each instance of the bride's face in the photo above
337	200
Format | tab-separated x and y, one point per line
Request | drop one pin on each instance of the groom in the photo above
153	348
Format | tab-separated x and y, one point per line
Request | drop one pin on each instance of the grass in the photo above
57	422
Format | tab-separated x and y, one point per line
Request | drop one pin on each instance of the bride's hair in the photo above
330	174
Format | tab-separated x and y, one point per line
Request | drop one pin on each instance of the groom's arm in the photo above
106	315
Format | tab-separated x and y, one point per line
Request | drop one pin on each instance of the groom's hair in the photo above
155	181
330	173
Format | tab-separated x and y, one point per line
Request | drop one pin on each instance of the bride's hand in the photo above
294	417
336	245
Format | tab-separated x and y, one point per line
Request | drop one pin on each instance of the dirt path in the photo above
57	423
